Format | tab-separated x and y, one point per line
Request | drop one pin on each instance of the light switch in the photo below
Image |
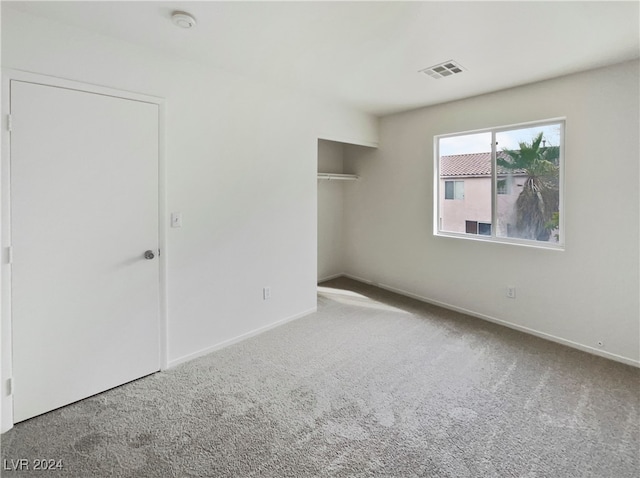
176	219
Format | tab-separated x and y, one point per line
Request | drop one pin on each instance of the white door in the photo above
84	209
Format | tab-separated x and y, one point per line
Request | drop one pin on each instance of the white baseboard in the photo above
527	330
240	338
333	276
362	279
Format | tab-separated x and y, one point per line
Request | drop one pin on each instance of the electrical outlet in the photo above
511	292
266	293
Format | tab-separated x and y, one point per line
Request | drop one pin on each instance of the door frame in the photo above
6	370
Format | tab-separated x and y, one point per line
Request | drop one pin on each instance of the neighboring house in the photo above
465	194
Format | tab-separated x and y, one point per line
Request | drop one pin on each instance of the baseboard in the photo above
488	318
240	338
362	279
472	313
527	330
333	276
348	276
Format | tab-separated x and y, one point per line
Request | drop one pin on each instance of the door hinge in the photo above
9	386
9	123
10	255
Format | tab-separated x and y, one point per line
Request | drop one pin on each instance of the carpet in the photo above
372	385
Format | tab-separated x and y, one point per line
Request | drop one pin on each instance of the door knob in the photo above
149	255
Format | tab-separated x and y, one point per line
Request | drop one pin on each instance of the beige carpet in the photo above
372	385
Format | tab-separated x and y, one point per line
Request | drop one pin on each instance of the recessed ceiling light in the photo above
183	20
447	68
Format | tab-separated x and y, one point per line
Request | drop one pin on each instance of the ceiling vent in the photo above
448	68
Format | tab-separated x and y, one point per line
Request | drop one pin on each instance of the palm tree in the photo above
539	199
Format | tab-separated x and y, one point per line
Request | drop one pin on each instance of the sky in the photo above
481	142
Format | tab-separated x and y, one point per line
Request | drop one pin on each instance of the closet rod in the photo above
341	177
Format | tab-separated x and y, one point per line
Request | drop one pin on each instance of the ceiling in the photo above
368	54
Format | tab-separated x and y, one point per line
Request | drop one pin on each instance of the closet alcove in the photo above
338	179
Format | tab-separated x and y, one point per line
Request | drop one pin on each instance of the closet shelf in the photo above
340	177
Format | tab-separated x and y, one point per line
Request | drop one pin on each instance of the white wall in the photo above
588	292
240	166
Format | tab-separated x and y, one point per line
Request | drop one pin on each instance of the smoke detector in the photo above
448	68
183	20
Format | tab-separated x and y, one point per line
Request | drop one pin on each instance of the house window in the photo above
511	175
484	229
475	227
454	189
471	227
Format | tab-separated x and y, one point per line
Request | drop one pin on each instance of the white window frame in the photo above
558	246
456	190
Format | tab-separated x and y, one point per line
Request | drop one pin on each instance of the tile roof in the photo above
472	164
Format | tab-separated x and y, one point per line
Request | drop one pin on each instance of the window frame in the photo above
504	190
558	246
454	182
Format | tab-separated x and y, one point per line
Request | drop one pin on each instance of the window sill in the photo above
503	240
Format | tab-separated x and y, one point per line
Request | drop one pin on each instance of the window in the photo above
510	179
484	229
475	227
471	227
454	189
